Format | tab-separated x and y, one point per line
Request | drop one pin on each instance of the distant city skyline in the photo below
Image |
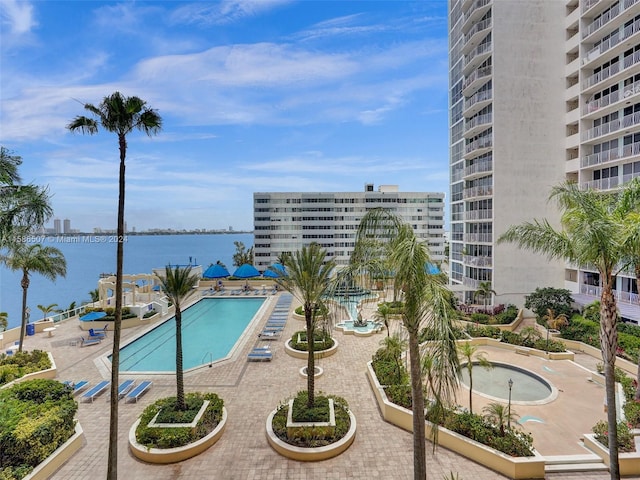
273	95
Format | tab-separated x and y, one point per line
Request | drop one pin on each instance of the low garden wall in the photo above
629	462
493	342
63	453
512	467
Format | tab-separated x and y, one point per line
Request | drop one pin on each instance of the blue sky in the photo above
272	95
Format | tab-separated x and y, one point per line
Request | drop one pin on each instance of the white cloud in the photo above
226	11
18	16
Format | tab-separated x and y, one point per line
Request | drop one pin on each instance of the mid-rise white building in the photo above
285	221
541	91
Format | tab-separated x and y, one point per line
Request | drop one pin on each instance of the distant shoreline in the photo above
162	232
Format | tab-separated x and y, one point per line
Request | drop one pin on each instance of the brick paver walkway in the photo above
250	391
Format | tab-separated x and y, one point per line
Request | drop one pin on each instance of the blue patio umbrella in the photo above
431	269
93	316
216	271
275	271
246	271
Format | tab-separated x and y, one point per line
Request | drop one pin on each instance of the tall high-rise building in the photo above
541	91
285	221
57	226
66	226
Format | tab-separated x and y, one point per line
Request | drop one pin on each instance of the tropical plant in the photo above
383	314
392	348
95	295
384	243
46	309
592	233
485	291
555	322
242	255
22	207
500	415
543	299
120	115
33	258
4	321
308	279
178	285
469	355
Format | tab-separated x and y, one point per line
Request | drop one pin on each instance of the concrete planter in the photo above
63	453
629	462
178	454
49	373
310	454
512	467
317	354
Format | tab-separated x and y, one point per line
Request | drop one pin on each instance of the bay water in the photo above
89	256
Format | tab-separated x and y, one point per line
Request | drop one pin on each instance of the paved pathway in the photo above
250	391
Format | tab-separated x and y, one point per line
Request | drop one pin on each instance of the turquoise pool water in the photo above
210	329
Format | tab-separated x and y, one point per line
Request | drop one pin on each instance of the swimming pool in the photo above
210	329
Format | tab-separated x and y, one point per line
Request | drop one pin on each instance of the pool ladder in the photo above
210	358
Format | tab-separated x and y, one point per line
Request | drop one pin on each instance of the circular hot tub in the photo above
528	388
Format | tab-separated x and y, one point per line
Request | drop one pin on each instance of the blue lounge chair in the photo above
90	341
124	387
260	354
77	386
95	334
102	330
142	387
90	395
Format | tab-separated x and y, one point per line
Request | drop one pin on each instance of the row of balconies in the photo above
608	183
475	77
605	73
612	41
612	126
605	18
610	155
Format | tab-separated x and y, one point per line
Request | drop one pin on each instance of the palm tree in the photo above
22	207
393	347
308	279
4	321
242	255
591	233
499	415
470	354
46	309
120	115
33	258
178	285
385	243
383	314
95	295
485	291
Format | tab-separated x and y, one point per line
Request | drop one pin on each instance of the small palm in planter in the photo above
194	421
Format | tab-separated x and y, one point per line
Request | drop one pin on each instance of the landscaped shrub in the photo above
542	299
21	363
507	316
513	442
393	377
311	437
150	313
179	437
395	308
35	419
482	318
625	437
482	331
632	412
322	341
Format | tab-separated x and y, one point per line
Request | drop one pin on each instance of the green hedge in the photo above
179	437
512	442
37	417
393	377
588	331
21	363
323	341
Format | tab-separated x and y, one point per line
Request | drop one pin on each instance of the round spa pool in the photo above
527	387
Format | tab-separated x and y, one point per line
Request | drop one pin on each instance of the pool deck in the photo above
251	390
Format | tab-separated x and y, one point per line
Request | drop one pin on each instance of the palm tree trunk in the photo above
25	286
609	344
417	397
470	387
311	361
112	462
180	405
